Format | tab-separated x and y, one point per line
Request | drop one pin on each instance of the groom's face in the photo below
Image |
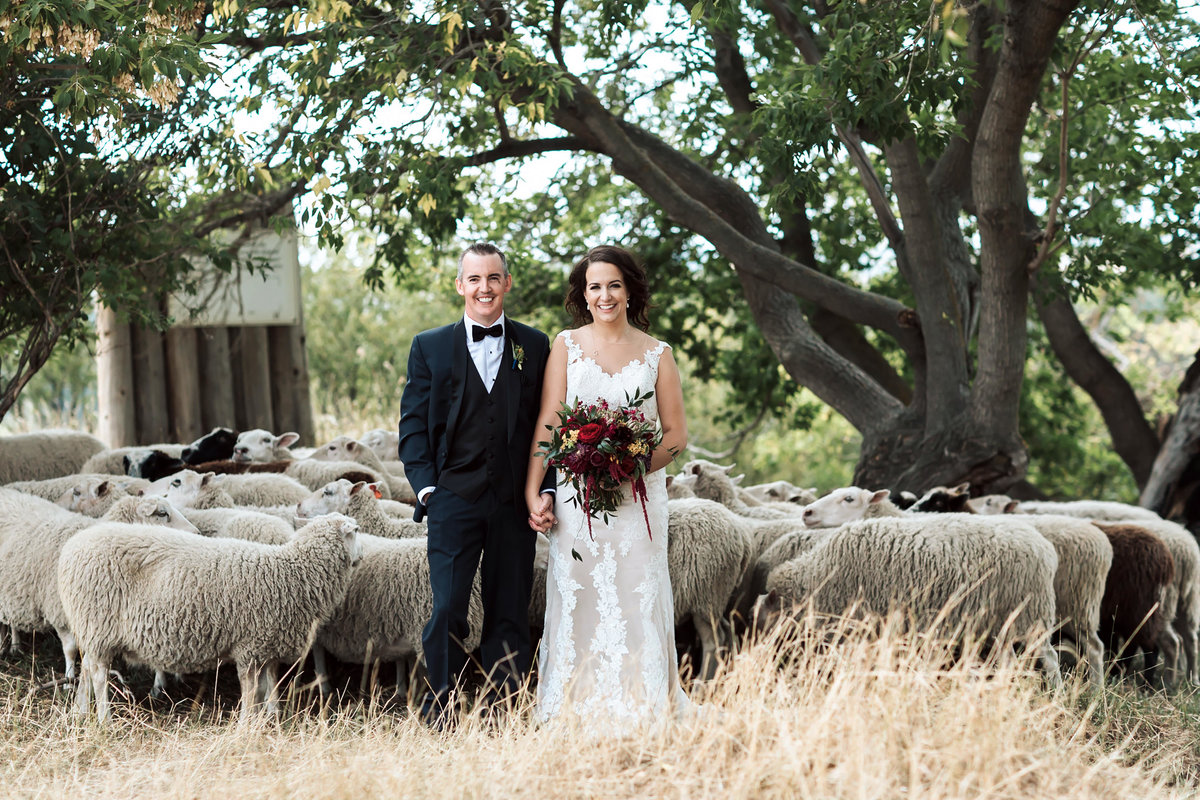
483	284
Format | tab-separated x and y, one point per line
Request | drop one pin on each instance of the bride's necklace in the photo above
596	342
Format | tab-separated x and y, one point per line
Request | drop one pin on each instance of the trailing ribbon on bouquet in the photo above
600	449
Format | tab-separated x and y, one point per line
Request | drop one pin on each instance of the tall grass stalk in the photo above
881	716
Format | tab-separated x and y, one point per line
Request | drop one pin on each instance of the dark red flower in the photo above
597	458
591	433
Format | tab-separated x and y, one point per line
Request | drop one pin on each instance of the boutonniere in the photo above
518	352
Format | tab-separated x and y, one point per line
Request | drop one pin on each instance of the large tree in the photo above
886	189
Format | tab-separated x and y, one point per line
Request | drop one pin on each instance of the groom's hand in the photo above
541	515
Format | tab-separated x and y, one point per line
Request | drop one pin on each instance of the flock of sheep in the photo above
235	549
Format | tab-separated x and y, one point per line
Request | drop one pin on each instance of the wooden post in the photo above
256	378
114	379
289	381
184	385
217	408
149	378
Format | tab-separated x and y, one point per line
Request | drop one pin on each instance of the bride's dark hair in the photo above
631	272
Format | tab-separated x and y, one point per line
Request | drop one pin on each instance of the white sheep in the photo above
260	446
183	603
387	604
343	448
781	492
969	576
45	454
713	483
1084	558
208	490
385	443
1088	509
358	500
239	523
992	504
708	556
680	486
32	533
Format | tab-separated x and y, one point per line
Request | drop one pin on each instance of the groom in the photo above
466	423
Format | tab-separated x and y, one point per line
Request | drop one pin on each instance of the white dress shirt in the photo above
487	353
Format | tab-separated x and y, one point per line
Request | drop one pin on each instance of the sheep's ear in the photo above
879	496
139	493
670	480
696	469
738	479
351	446
1011	507
728	469
962	488
206	480
287	439
147	506
357	487
103	489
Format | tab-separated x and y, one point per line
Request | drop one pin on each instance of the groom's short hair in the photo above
482	249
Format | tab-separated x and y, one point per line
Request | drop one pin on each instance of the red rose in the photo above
597	458
591	433
627	465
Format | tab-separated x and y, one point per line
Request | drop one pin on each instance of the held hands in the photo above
541	513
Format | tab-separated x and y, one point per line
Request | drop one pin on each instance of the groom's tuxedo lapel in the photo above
513	384
458	376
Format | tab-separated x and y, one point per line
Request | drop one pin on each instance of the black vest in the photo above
478	457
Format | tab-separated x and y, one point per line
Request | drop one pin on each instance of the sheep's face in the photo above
711	481
386	444
841	506
260	446
182	488
941	500
680	486
332	498
216	445
90	497
993	504
343	448
159	511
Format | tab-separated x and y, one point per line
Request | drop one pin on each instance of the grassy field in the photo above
880	717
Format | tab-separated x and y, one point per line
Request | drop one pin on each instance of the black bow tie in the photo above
478	331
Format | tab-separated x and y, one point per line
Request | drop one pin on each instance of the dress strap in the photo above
574	351
654	354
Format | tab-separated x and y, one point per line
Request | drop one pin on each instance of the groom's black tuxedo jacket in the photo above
433	394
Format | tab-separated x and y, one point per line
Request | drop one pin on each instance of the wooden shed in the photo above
234	357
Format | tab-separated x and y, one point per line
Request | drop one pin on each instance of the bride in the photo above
608	649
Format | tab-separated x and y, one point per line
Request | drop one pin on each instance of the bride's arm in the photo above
554	392
669	393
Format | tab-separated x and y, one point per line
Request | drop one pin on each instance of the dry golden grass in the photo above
873	717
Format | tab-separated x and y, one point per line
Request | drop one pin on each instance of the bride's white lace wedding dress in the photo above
608	649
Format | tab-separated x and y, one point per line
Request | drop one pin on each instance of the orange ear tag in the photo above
378	494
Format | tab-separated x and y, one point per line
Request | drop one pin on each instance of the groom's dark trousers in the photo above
473	445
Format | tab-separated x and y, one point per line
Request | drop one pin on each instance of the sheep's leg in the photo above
5	639
248	676
83	694
160	685
1168	657
1048	661
322	669
1095	659
1187	653
97	671
268	687
70	650
708	646
402	677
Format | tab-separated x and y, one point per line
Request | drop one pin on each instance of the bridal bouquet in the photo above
599	449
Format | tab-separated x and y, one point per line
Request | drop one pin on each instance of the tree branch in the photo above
519	149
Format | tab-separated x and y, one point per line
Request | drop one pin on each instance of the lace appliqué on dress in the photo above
608	651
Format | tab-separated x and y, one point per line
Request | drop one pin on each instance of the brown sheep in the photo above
1142	570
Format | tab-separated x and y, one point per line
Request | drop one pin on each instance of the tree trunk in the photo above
114	379
1174	475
